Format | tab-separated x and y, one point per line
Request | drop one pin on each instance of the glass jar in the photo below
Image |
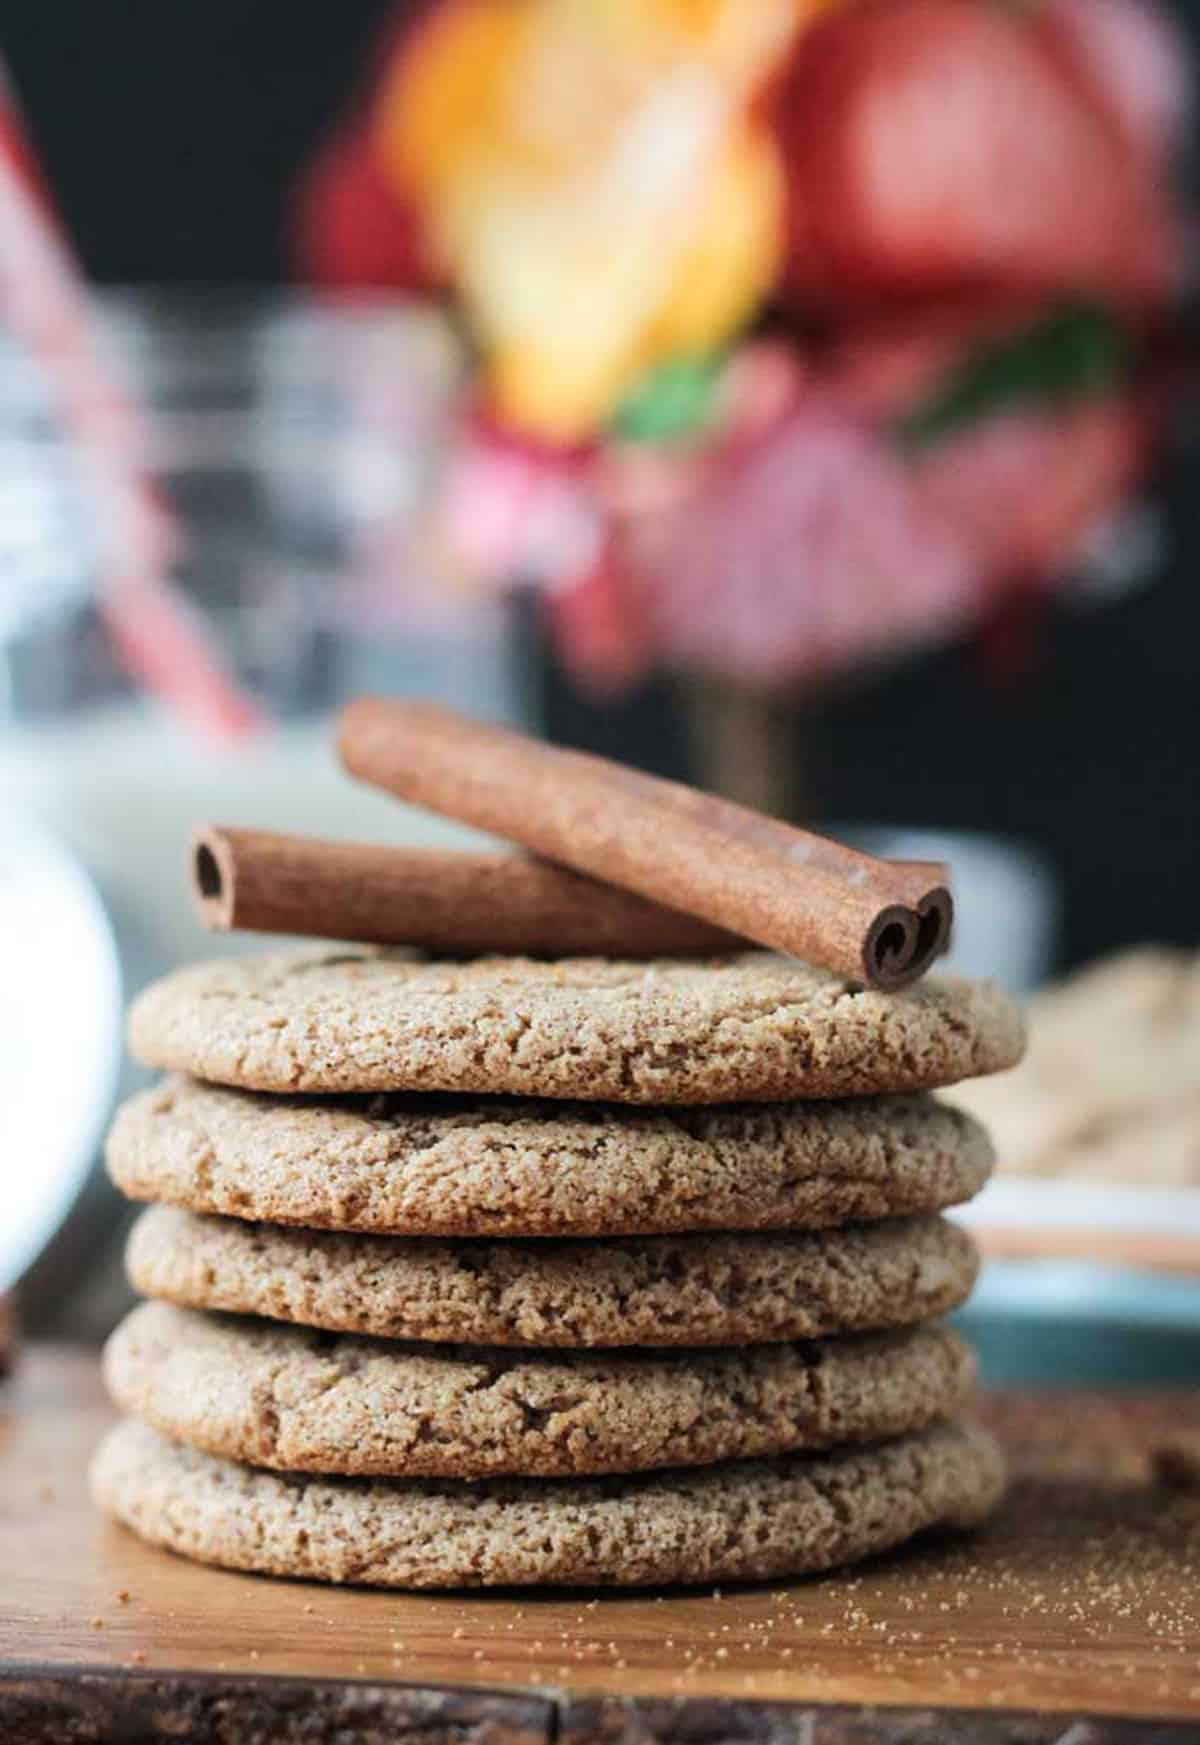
293	445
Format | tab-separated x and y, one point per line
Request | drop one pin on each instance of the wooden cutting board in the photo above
1082	1598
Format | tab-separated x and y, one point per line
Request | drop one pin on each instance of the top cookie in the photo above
750	1027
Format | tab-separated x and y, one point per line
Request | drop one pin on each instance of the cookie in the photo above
299	1401
1110	1088
493	1167
746	1027
657	1290
749	1521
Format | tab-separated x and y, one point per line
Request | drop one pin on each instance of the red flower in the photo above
942	146
352	229
1135	59
808	537
599	627
799	553
1023	490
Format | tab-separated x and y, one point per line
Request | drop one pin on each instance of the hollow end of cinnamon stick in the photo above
450	901
213	878
903	942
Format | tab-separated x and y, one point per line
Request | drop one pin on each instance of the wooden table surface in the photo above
1082	1598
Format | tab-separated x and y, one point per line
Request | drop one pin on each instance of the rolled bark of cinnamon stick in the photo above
265	882
882	922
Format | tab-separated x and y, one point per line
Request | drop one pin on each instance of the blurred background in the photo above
789	396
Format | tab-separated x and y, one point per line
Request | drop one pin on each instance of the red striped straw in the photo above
43	302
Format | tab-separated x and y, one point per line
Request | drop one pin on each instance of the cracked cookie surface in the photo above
752	1026
299	1401
494	1166
656	1290
751	1520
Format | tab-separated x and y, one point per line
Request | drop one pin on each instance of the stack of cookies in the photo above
570	1271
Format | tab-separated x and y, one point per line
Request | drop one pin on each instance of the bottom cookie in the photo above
744	1521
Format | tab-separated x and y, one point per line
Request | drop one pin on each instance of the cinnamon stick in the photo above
881	922
265	882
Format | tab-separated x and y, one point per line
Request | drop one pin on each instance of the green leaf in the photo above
670	401
1078	350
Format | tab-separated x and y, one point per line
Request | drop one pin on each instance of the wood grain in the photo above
119	1708
611	1721
1083	1597
39	1707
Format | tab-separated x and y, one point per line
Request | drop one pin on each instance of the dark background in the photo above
171	131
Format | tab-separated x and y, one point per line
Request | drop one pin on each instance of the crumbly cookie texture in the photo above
299	1401
752	1026
655	1290
748	1521
1110	1088
411	1165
